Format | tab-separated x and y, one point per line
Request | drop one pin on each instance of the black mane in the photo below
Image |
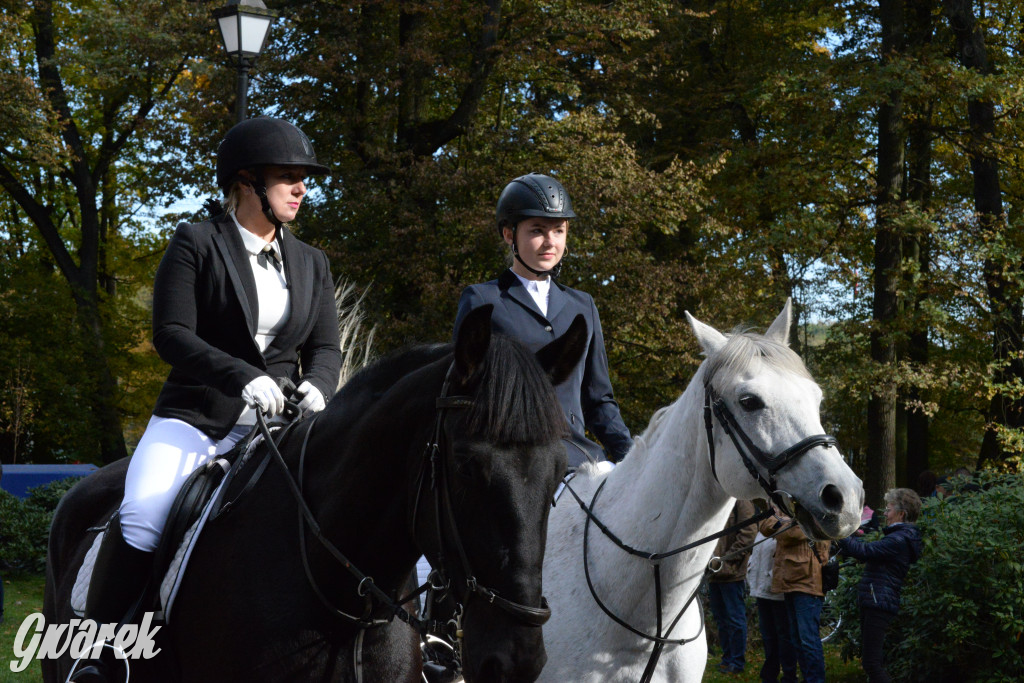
514	400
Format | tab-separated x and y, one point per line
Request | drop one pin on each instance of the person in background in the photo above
926	482
772	620
796	574
887	562
530	305
726	588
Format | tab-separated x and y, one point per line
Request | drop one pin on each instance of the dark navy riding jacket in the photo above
586	396
887	562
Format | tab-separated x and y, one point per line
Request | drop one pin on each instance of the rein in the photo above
661	637
366	586
434	459
714	407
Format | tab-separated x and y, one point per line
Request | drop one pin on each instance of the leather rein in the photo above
714	406
435	468
435	460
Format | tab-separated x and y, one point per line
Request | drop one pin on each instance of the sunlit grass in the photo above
23	595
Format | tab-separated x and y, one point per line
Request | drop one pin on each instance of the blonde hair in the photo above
233	196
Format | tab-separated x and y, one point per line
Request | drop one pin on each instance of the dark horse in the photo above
246	610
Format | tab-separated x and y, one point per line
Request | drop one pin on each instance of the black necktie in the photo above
268	254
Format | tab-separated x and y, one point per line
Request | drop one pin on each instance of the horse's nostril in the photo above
832	498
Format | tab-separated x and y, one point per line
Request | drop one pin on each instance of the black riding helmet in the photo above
532	196
264	141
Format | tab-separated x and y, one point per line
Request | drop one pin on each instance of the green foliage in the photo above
962	608
25	525
23	534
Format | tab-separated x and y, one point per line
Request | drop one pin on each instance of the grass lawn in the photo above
23	595
836	670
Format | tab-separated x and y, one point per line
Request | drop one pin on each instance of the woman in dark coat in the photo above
887	562
531	305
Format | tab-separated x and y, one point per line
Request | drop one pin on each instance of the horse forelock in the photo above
743	350
514	402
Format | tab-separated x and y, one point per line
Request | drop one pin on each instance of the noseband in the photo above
751	453
436	458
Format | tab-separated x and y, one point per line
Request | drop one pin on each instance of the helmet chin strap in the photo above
555	270
260	188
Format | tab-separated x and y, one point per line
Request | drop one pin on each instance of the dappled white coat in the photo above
663	496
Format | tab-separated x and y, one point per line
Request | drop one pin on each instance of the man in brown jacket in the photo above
797	575
726	588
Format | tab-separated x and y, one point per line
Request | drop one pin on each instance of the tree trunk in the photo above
917	249
881	465
1004	298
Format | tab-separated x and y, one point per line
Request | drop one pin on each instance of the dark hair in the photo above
515	402
926	481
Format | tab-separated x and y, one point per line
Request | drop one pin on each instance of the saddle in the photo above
210	491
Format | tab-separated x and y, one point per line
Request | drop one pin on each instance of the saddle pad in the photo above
176	567
80	591
172	578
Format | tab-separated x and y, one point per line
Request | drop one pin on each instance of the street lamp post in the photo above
244	25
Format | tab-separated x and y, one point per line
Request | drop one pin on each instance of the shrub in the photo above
25	526
23	533
962	611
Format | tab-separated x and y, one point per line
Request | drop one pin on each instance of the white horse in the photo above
673	490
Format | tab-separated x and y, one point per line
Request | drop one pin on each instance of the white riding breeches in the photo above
168	452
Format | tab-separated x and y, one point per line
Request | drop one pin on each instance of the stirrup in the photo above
105	668
440	660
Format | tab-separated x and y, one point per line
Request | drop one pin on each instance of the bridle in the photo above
436	463
714	406
751	453
435	459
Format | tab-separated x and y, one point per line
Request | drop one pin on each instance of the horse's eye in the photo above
750	402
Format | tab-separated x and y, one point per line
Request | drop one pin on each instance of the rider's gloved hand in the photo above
312	400
264	392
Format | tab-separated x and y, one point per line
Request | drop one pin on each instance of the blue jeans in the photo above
804	612
726	599
779	654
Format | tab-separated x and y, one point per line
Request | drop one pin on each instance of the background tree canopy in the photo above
861	157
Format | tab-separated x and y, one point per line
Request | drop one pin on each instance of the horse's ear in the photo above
779	331
472	341
709	338
560	356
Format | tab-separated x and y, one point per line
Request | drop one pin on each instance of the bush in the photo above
25	526
962	611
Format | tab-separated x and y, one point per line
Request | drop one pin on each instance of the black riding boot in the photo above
118	579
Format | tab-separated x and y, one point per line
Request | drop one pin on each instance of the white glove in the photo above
312	400
264	392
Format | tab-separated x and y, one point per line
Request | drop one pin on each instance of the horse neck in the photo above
661	497
362	462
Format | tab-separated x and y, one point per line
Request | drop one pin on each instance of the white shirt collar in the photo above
252	243
538	291
538	286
